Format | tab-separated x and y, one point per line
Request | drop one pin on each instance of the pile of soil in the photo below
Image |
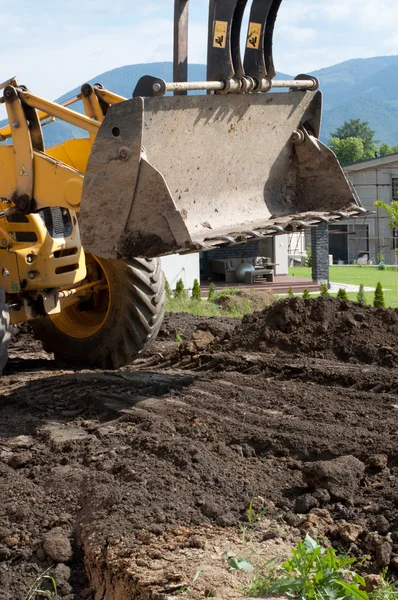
134	474
184	325
325	327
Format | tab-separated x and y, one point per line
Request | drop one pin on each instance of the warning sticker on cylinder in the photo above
254	36
220	34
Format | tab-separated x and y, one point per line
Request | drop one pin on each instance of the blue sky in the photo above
54	45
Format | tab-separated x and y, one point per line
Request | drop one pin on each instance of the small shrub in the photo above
324	290
308	257
381	266
306	294
196	294
167	289
361	299
342	294
290	293
378	301
180	292
212	291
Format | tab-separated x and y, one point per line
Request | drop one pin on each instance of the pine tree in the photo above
180	292
306	294
378	301
196	295
324	290
342	294
167	289
212	291
361	299
290	293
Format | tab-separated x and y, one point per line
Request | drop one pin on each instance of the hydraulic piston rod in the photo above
161	87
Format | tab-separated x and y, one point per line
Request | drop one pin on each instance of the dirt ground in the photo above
132	482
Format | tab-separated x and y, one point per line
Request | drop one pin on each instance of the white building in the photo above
375	179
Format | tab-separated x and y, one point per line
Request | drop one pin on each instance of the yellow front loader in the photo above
82	224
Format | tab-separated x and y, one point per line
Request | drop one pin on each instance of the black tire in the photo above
4	330
133	319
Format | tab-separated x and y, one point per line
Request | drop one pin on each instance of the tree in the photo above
308	256
355	128
290	293
180	292
348	150
212	291
196	294
342	293
324	290
392	212
378	301
361	299
306	294
167	289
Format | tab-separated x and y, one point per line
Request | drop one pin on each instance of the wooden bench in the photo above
267	274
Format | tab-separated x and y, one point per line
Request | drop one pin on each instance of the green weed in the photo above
237	564
36	591
190	588
312	572
387	590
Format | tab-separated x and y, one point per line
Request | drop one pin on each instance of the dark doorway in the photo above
338	243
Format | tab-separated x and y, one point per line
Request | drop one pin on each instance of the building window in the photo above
394	185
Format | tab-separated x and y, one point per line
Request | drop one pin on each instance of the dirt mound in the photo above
183	325
322	328
141	471
244	301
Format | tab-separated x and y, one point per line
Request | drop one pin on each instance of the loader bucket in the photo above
188	173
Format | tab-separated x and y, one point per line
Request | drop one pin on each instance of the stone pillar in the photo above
320	254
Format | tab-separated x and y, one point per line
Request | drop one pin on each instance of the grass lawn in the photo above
368	276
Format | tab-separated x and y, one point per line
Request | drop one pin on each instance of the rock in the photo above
226	520
293	520
12	541
394	562
372	582
270	535
62	573
344	513
21	441
200	340
322	496
382	525
19	460
57	545
197	541
340	476
248	451
305	503
317	524
4	552
349	532
238	449
377	462
383	554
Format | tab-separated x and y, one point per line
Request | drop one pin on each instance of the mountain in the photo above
360	88
365	89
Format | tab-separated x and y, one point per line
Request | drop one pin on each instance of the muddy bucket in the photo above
189	173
